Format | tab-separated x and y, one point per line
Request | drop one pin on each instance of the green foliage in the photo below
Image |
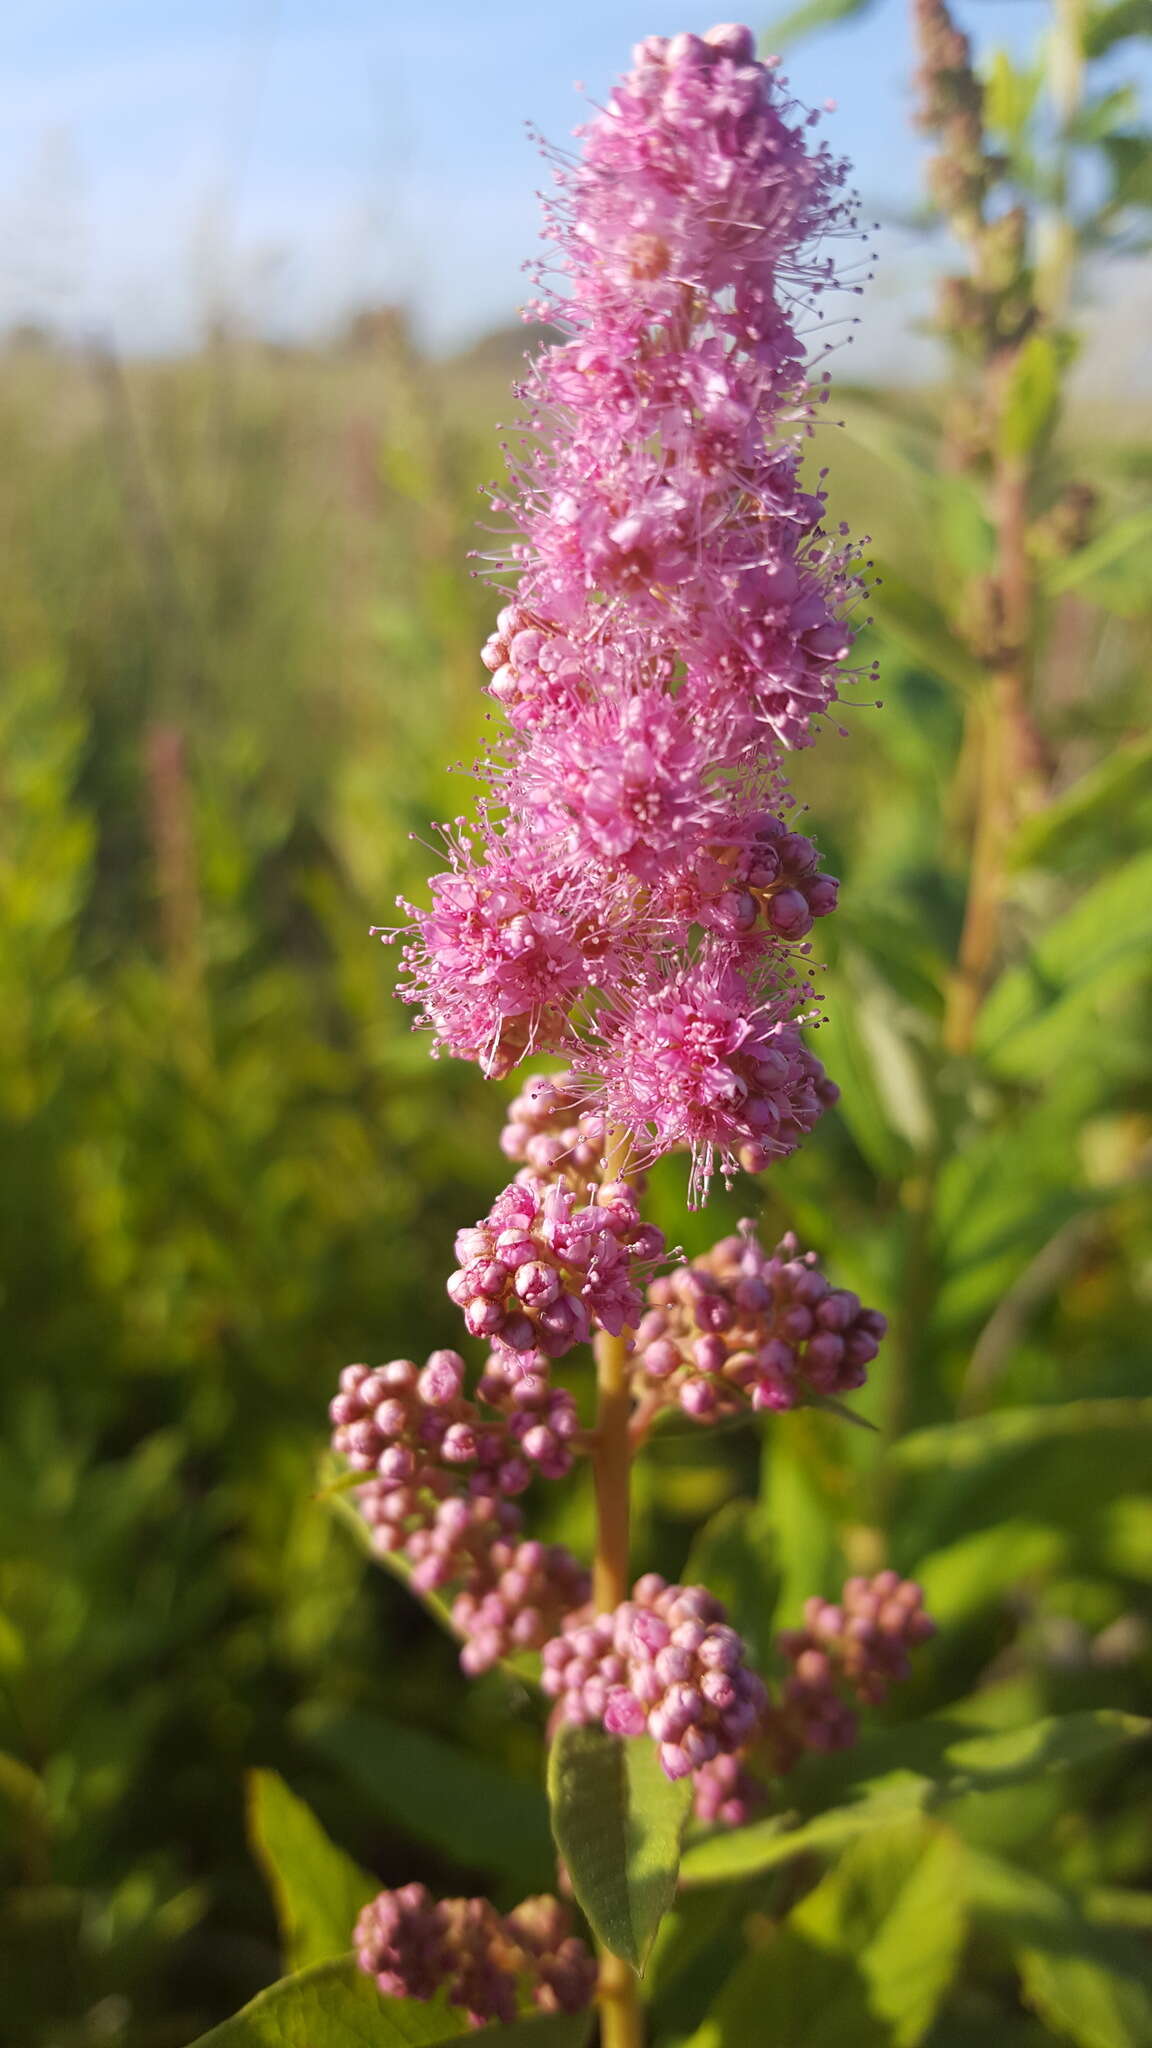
915	1769
233	596
318	1890
476	1814
618	1825
331	2005
735	1557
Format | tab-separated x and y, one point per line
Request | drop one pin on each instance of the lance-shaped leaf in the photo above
334	2005
473	1811
909	1770
867	1958
618	1824
317	1888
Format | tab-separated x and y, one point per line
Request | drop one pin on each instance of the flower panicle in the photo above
632	897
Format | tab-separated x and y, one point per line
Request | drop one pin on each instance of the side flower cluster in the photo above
541	1268
486	1962
440	1486
848	1654
742	1327
631	894
666	1663
550	1132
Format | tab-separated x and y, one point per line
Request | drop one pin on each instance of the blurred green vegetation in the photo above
237	653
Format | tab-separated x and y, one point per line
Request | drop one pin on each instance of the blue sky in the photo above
288	158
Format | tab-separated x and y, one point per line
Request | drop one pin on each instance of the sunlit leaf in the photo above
1088	2001
1098	799
1120	537
895	1902
918	624
618	1824
975	1439
808	19
1029	402
1047	1008
317	1888
1106	26
795	1994
334	2005
909	1770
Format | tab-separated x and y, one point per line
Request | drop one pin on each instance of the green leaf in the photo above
547	2030
1124	777
808	19
768	1844
1010	96
1107	26
867	1958
909	1770
469	1809
921	628
798	1507
962	1446
317	1888
794	1994
986	1565
1031	396
896	1902
1048	1008
1130	162
618	1824
735	1557
1118	539
334	2005
1092	2004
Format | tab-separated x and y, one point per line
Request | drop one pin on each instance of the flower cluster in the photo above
631	895
740	1326
550	1133
665	1662
849	1651
764	874
486	1962
541	1268
440	1481
847	1655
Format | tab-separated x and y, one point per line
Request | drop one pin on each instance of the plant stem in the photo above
611	1466
621	2019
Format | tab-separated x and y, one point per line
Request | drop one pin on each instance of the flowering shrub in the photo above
632	898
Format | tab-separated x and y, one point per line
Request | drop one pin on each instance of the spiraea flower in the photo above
541	1269
631	897
704	1058
849	1654
665	1664
741	1327
463	1950
441	1480
552	1134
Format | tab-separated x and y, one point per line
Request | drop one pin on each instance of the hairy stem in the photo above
621	2019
